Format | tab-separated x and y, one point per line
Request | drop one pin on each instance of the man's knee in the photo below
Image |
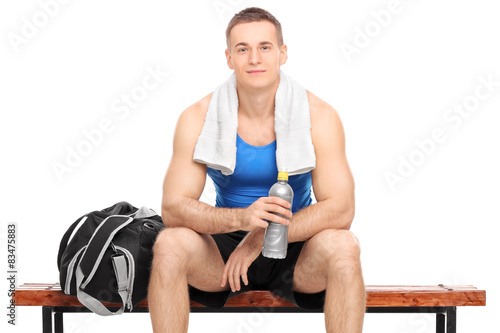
175	245
340	248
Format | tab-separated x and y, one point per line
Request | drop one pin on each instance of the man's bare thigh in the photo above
205	271
311	269
309	272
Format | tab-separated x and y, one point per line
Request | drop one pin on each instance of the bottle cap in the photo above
283	175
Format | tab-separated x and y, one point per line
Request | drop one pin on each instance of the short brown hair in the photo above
254	14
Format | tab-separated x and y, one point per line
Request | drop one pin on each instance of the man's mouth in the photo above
256	71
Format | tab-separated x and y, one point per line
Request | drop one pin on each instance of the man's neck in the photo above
257	104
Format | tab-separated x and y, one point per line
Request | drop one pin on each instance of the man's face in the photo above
254	54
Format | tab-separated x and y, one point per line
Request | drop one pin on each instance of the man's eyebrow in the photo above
246	44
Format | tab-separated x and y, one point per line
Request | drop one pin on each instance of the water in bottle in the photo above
276	236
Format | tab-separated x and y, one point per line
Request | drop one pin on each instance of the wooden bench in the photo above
441	300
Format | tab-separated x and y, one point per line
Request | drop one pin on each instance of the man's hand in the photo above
258	213
242	257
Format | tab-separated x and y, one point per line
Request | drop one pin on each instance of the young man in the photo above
208	253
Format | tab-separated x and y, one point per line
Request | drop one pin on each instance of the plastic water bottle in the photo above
276	236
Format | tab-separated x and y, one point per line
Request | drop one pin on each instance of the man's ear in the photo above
228	58
283	55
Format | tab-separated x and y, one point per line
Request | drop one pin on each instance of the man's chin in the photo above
257	82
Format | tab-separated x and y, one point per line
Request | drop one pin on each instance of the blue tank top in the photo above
254	174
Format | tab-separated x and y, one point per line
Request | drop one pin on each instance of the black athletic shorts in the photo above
275	275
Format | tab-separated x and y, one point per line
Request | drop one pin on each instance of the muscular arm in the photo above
185	180
333	184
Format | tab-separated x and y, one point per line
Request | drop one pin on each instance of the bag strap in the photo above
122	279
91	259
99	242
144	213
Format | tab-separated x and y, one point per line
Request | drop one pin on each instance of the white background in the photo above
438	226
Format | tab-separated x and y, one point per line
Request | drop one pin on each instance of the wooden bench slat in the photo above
370	288
46	294
409	287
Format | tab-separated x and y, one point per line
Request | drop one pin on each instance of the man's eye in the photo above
242	50
265	47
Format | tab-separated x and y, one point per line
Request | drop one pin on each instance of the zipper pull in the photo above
129	300
113	247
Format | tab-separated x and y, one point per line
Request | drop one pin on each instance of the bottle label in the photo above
274	235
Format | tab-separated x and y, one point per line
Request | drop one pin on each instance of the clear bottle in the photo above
276	236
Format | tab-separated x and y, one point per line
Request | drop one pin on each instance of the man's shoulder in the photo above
197	111
319	109
325	121
191	121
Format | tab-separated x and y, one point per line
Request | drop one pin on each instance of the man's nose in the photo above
254	57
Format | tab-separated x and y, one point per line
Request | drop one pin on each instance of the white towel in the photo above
216	145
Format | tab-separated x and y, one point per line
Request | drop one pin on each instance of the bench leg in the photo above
451	320
47	319
58	318
440	322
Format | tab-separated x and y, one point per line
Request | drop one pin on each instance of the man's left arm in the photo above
332	180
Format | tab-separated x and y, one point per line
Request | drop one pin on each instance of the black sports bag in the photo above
105	256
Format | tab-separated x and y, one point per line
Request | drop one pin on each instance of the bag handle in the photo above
120	208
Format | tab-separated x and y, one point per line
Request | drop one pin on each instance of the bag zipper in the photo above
131	274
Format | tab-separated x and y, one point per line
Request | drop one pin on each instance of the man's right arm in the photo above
185	180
